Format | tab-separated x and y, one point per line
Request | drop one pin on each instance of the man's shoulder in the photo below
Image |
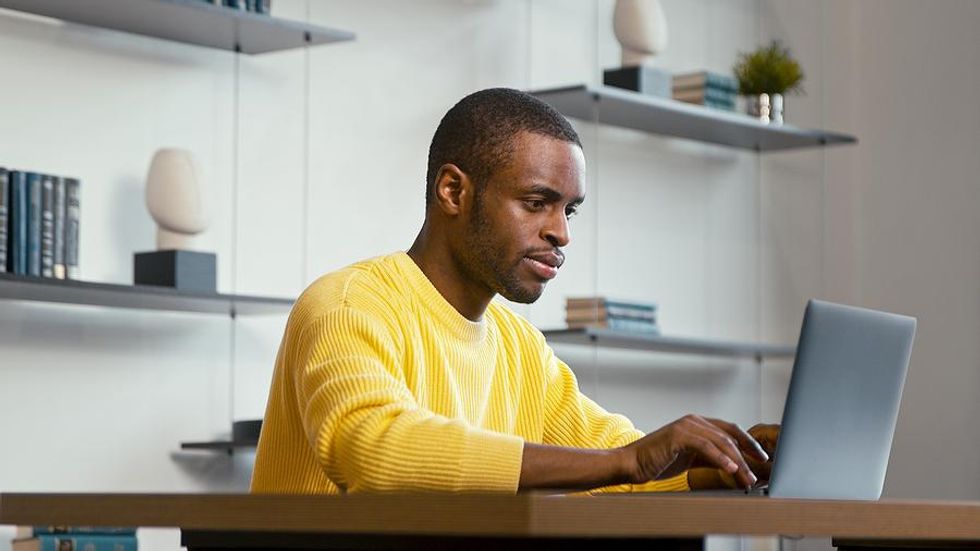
362	285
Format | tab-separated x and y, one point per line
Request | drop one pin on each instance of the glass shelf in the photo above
144	297
659	343
677	119
188	21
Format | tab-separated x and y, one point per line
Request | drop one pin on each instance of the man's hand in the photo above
694	441
711	478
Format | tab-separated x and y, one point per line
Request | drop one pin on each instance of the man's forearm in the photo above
571	468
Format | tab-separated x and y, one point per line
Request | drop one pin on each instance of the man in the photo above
400	373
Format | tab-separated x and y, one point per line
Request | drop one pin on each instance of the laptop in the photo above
842	404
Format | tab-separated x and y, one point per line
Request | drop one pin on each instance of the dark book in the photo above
4	217
76	542
34	185
263	6
17	227
31	531
72	212
59	228
47	225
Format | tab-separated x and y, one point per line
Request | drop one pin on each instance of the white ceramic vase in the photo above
175	198
641	29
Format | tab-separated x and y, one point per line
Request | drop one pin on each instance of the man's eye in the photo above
534	204
571	213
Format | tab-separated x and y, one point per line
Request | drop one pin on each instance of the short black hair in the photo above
477	134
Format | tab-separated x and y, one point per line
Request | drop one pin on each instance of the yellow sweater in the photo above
380	384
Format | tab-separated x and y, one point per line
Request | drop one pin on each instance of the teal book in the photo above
702	79
17	229
33	224
76	542
603	302
4	221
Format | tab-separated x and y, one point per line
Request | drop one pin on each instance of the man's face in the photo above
519	220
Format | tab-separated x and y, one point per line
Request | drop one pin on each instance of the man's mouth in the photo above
545	264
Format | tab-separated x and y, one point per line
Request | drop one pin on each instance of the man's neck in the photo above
442	270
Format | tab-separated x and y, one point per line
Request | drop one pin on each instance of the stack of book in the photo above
619	315
74	538
706	88
258	6
38	224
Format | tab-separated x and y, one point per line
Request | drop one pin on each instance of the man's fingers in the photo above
747	442
767	435
711	441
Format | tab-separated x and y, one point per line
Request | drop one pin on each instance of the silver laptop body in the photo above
842	404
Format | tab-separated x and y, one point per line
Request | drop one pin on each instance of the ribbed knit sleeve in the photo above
574	420
368	431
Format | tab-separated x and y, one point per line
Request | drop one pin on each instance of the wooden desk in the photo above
477	521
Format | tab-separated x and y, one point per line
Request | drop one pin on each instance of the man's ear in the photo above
454	190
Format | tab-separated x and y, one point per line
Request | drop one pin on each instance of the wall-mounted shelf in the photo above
188	21
228	446
145	297
660	343
244	434
677	119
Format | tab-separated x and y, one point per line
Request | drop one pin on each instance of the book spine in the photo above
86	542
599	302
618	324
4	217
85	530
722	82
72	230
47	226
59	228
264	6
33	224
18	223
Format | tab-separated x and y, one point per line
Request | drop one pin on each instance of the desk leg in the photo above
196	540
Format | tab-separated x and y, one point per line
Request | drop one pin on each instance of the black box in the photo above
646	80
184	270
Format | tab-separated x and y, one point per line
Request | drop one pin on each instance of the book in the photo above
600	314
700	95
17	228
72	212
59	228
703	79
76	542
603	302
33	224
47	225
31	531
618	324
4	208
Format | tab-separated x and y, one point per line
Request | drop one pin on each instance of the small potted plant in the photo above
765	75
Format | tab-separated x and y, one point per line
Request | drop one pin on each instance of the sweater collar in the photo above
443	312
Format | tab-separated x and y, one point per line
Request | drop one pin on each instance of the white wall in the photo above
729	243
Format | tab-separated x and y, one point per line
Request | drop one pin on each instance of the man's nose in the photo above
556	230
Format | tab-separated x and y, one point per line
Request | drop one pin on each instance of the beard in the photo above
486	260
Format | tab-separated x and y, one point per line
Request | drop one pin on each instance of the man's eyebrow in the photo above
551	195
